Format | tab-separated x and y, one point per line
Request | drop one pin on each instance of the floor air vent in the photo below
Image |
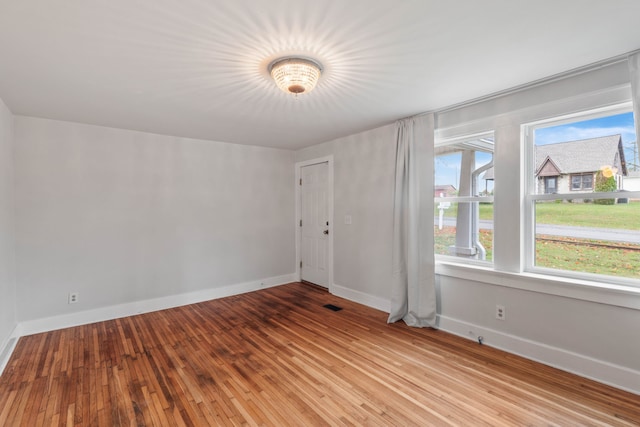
332	307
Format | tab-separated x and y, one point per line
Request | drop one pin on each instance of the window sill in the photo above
604	293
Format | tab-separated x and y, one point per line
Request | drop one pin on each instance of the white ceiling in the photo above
197	68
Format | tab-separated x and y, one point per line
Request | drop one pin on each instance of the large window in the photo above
463	217
582	218
565	218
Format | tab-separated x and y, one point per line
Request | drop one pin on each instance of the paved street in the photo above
607	234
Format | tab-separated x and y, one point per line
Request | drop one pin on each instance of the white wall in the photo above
592	330
122	216
363	188
7	261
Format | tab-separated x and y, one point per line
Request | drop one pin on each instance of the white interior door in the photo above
314	236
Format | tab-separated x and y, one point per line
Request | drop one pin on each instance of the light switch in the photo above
347	219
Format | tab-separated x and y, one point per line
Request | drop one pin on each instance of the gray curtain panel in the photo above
413	290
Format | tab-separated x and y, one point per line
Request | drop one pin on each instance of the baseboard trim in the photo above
597	370
35	326
587	367
6	350
372	301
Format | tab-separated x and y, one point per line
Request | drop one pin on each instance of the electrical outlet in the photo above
501	313
73	297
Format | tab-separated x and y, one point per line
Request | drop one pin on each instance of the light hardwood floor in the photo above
278	357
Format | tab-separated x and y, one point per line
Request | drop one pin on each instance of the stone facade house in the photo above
571	167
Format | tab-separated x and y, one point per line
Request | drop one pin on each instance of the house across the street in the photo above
567	167
572	166
446	190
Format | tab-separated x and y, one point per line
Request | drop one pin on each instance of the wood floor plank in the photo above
277	357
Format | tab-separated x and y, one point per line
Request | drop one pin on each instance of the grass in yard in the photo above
447	237
622	216
443	239
486	211
574	255
564	253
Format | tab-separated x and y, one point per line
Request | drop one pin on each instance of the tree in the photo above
605	182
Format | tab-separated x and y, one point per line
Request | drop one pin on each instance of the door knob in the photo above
326	231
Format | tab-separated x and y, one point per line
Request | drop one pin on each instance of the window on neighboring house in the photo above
582	181
550	184
463	216
583	222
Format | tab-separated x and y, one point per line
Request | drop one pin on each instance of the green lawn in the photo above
564	254
625	216
589	259
447	237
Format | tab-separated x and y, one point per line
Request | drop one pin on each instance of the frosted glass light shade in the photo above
295	75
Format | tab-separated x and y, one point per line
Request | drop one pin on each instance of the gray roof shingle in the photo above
586	155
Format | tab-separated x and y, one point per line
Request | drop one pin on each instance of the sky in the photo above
619	124
447	167
612	125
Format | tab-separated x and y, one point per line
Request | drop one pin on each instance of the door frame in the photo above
298	199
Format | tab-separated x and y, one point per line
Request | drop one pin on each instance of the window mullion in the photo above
508	203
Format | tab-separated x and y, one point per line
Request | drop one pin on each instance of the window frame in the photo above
441	142
530	196
580	90
581	176
548	179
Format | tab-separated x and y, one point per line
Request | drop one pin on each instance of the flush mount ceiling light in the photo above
295	75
